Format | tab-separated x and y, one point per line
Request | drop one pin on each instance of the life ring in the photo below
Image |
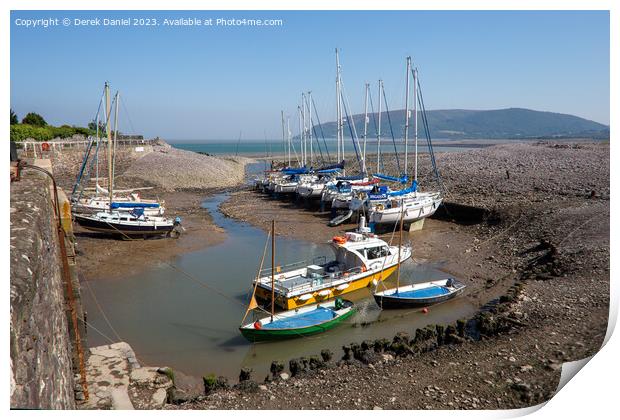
379	207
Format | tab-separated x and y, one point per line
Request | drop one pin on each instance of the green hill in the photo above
517	123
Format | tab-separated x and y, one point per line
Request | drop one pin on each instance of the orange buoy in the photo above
424	310
258	325
339	239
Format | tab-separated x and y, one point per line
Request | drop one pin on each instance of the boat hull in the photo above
256	335
293	302
122	229
412	214
391	300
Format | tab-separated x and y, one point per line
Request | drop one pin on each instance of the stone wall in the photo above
41	360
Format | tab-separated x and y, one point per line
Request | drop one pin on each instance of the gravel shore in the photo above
170	169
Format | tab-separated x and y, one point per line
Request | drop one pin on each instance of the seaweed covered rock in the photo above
212	383
299	365
276	368
327	355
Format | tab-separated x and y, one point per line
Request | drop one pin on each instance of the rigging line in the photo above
127	113
91	326
321	128
351	129
374	123
88	150
105	317
428	134
205	285
354	136
387	111
312	127
260	268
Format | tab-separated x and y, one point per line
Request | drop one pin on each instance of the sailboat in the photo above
416	295
135	221
123	200
408	203
294	323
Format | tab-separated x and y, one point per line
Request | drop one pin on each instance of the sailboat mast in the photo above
284	137
379	127
407	112
273	267
415	122
115	133
365	126
303	118
288	137
338	110
308	102
400	244
109	133
97	153
301	135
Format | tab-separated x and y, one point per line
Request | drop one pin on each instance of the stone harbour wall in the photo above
40	346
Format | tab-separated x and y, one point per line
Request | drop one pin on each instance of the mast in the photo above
304	157
273	268
308	102
338	110
415	123
97	152
284	138
288	138
114	142
379	127
300	137
109	133
400	244
407	110
365	127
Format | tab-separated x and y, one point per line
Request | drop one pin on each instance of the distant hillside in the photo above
517	123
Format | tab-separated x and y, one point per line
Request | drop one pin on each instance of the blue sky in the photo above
215	82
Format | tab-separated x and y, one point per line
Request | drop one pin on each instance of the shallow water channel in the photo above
191	324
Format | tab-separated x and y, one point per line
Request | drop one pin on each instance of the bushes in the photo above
21	132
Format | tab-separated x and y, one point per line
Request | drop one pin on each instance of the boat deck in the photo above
427	292
305	319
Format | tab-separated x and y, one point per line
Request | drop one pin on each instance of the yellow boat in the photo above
361	260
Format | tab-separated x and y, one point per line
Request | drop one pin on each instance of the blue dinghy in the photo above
422	294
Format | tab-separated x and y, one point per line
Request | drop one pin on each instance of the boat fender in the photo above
258	325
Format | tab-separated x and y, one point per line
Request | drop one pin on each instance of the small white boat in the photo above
415	207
